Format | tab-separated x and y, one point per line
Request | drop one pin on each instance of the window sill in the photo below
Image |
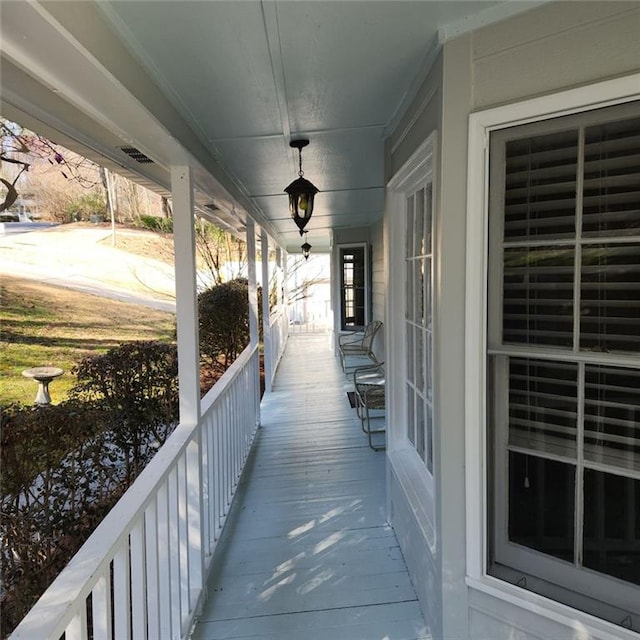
583	625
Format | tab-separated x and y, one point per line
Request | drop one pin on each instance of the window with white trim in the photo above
419	320
564	360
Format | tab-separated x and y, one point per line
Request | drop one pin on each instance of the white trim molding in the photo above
418	484
594	96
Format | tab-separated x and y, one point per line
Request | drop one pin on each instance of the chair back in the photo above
370	334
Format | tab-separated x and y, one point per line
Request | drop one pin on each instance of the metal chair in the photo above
369	386
358	344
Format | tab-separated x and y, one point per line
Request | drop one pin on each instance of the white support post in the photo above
186	295
253	286
266	319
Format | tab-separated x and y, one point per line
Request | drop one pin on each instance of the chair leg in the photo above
370	431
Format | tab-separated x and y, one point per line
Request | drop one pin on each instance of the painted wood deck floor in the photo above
307	553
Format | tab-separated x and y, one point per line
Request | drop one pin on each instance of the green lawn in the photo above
46	325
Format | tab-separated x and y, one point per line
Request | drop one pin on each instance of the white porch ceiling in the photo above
240	79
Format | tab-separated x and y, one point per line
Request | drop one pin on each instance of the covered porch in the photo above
409	109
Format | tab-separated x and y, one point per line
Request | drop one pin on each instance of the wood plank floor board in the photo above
399	621
307	552
276	551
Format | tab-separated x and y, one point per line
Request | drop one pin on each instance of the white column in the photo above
253	287
189	377
186	295
266	320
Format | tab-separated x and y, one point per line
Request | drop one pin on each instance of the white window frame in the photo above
599	95
418	483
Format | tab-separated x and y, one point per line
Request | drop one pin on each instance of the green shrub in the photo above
62	467
154	223
85	206
59	478
137	384
223	317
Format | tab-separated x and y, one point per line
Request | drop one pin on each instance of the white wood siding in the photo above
550	48
557	46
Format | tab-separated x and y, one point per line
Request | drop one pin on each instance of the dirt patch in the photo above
145	244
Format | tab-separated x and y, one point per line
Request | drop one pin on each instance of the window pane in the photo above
411	415
411	354
612	525
420	359
541	502
410	301
612	179
428	364
543	407
610	298
418	247
427	292
540	186
420	427
427	220
408	249
418	271
429	435
612	416
538	296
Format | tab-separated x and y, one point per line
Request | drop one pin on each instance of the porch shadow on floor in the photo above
307	552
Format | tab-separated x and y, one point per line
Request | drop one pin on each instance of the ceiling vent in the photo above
137	155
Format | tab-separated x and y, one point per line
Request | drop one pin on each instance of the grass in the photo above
48	325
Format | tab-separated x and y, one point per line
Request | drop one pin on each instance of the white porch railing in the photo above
141	574
278	332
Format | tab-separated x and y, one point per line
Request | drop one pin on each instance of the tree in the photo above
21	149
223	257
303	275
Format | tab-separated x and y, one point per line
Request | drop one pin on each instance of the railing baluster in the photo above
77	628
227	452
194	522
183	533
151	549
206	487
236	436
174	555
122	593
219	465
211	501
101	607
138	590
164	565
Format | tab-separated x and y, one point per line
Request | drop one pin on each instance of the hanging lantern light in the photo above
301	192
306	250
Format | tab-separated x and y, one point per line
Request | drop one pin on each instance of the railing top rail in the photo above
228	378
